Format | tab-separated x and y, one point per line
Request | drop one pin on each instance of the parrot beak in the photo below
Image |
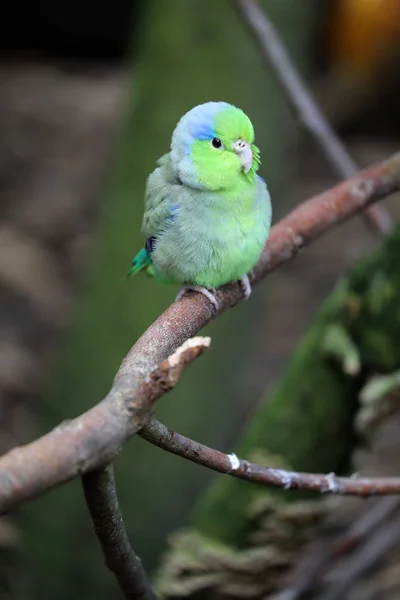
243	150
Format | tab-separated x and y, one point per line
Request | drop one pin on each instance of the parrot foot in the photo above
245	286
208	293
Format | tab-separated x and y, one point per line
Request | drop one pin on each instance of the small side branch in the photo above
156	433
92	440
101	498
304	103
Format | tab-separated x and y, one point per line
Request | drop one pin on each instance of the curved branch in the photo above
93	439
156	433
304	103
101	498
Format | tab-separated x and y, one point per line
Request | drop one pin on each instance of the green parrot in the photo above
207	212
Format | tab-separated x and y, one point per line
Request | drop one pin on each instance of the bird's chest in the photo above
237	236
211	244
230	244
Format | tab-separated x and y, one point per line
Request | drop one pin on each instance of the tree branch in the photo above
304	104
92	440
101	498
156	433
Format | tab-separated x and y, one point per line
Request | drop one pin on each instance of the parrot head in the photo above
213	147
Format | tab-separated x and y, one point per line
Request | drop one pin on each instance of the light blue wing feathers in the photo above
160	211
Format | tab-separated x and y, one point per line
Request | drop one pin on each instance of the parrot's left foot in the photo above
245	286
208	293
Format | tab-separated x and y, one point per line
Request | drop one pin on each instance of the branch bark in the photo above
101	498
93	439
229	464
304	104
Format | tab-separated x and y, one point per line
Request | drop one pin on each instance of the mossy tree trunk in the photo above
305	424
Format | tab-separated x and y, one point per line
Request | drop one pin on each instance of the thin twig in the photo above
365	559
101	498
93	439
156	433
308	572
304	103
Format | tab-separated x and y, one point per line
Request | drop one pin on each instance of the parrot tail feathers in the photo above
141	261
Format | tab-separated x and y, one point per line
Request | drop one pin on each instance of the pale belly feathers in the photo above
207	245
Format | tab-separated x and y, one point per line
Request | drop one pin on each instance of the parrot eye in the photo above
216	143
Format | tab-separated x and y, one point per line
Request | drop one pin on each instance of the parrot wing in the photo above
161	200
160	209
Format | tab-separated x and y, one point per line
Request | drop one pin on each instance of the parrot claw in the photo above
245	286
208	293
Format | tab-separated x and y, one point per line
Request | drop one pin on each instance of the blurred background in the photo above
89	96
